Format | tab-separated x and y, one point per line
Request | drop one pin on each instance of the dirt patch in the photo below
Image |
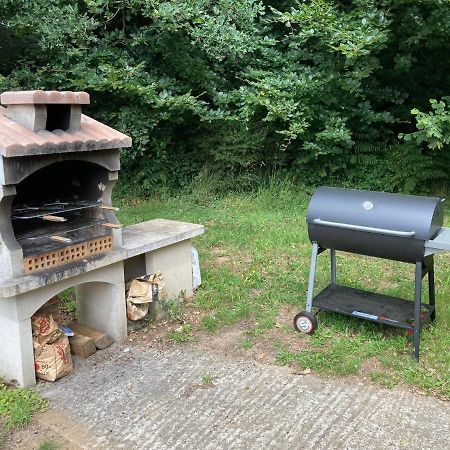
218	250
370	365
236	340
284	332
220	261
256	292
384	285
52	425
205	384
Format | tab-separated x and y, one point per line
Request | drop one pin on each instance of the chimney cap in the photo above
44	98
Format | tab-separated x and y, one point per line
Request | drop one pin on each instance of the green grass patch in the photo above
17	406
182	334
247	344
255	258
210	323
48	445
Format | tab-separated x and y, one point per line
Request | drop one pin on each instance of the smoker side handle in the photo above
347	226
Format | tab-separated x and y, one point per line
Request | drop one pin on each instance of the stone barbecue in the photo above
57	174
58	228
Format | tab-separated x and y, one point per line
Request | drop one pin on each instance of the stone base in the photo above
157	245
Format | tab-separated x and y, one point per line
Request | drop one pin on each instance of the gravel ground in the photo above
188	398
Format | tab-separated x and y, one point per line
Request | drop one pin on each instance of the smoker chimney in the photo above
45	110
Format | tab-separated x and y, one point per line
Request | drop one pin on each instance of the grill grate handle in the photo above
347	226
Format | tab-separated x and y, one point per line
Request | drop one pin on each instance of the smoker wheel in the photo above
305	322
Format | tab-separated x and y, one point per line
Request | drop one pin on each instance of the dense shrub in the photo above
328	91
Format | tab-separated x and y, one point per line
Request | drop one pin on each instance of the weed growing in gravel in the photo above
207	380
181	334
247	344
174	309
48	445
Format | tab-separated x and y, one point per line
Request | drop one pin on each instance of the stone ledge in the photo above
147	236
44	97
137	240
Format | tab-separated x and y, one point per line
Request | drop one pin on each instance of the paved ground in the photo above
186	398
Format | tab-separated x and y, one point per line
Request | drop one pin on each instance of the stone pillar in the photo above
175	262
101	306
16	345
33	117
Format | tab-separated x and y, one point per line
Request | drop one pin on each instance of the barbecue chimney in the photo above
45	110
57	171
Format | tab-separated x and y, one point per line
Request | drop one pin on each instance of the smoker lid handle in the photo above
347	226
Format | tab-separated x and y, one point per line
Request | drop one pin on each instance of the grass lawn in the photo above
17	407
255	260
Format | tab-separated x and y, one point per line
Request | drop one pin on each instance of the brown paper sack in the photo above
45	329
141	292
51	308
54	360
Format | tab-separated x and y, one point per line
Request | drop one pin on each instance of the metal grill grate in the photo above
66	255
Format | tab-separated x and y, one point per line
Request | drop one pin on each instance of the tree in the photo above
321	89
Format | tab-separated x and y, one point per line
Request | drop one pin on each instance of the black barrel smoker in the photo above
404	228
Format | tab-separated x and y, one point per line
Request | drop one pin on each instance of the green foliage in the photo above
210	323
174	309
48	445
181	334
247	344
247	88
17	406
433	128
67	302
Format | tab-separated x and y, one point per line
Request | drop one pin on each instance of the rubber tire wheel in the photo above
305	322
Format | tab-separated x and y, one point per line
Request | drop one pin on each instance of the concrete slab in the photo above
154	234
144	399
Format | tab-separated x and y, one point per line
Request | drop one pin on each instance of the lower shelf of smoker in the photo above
67	255
371	306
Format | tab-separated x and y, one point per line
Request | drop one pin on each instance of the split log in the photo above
112	225
102	340
52	218
109	208
61	239
82	346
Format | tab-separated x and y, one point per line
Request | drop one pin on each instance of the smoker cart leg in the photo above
431	291
417	305
312	276
305	321
333	265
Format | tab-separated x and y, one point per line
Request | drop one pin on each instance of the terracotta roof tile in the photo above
17	140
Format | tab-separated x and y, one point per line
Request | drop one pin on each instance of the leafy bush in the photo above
320	89
433	128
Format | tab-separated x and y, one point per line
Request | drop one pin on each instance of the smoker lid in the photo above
420	216
17	140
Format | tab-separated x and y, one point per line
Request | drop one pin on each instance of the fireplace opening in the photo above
58	117
58	215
